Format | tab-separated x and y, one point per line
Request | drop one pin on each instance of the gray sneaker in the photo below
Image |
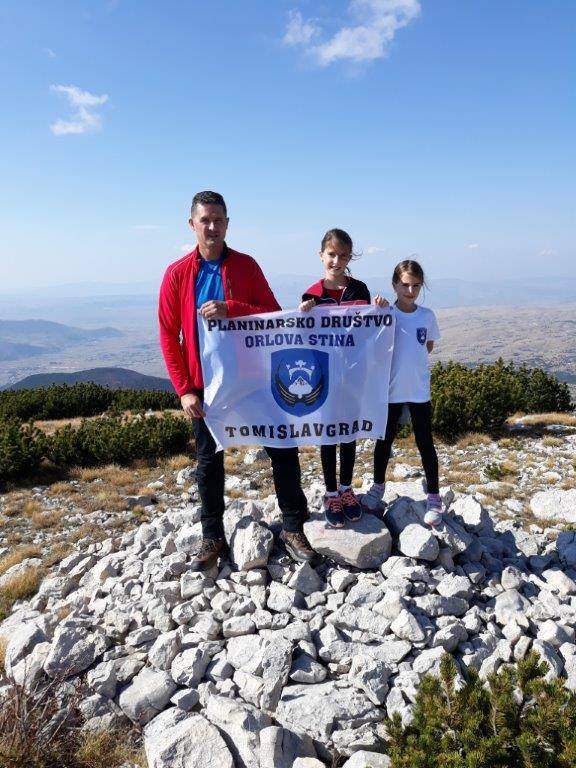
372	501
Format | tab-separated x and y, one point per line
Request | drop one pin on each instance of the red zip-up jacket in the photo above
356	292
246	292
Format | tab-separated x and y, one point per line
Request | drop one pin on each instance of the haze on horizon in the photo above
450	136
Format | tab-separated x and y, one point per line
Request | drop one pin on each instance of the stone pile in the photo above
265	663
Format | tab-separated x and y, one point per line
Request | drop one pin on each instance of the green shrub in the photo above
113	439
494	471
518	720
62	401
481	399
22	447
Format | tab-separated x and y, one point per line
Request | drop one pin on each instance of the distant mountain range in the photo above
20	339
115	378
105	299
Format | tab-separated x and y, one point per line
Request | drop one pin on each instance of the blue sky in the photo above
443	128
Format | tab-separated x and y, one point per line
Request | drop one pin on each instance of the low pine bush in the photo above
63	401
22	447
110	439
481	399
518	720
117	440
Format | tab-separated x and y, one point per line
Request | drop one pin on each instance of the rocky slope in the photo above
264	663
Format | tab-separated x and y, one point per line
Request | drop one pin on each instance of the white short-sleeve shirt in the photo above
410	371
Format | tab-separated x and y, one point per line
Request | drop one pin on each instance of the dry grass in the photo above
503	491
552	442
31	507
106	749
57	552
88	530
62	487
111	473
19	587
23	585
3	646
103	497
178	462
49	519
473	438
12	508
28	740
544	419
17	556
461	477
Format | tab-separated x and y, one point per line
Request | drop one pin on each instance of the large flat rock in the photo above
365	544
176	739
555	505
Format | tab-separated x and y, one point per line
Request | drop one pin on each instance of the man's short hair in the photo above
207	198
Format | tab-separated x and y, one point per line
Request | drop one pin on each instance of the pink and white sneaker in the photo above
434	509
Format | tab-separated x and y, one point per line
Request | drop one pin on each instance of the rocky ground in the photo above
267	664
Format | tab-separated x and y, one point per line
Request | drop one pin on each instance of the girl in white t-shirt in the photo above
415	334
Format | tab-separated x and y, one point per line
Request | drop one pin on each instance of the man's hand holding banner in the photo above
285	379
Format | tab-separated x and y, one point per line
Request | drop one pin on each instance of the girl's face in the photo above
335	258
407	289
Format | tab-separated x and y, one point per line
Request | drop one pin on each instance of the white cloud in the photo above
85	118
186	248
50	53
472	246
369	38
546	253
298	31
372	249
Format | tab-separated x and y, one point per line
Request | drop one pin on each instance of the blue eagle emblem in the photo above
299	380
421	334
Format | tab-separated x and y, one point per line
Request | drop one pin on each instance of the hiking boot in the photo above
372	501
434	509
206	554
297	546
333	512
350	505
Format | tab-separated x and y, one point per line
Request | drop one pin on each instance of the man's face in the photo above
209	222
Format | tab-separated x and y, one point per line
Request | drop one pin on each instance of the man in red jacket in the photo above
215	281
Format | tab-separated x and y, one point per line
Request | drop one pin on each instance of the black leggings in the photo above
421	415
347	459
210	480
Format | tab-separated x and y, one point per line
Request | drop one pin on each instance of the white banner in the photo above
292	378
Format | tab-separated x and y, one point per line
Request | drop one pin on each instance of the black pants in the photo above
347	459
210	480
421	415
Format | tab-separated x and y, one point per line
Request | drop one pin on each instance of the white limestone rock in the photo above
188	667
250	544
73	650
509	605
305	669
555	504
371	676
366	545
364	759
316	710
177	739
472	514
240	724
407	627
418	542
147	695
164	650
